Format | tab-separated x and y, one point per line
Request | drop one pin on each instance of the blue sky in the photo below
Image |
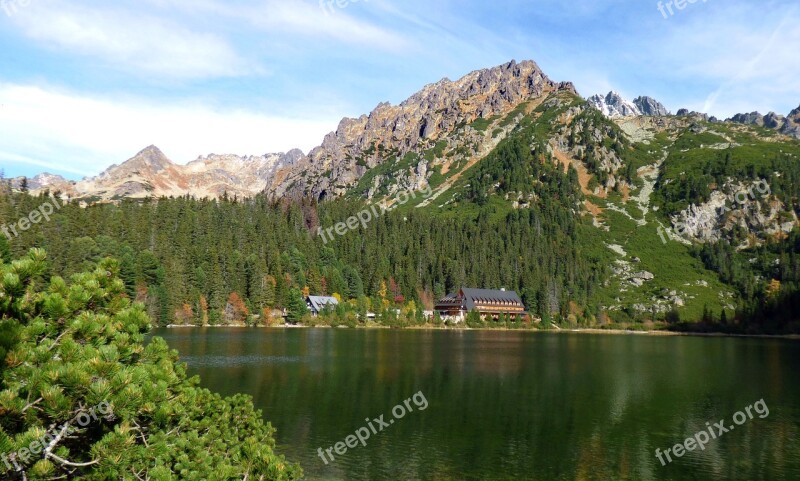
86	83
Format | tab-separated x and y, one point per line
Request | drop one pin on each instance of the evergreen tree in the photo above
80	376
296	308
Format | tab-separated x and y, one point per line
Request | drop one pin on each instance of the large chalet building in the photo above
489	303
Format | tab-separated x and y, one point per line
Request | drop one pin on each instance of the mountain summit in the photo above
431	139
613	105
458	117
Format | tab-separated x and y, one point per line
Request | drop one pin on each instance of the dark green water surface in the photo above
511	405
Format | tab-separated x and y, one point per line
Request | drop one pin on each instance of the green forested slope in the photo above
520	219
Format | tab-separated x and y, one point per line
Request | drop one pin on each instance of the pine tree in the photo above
296	308
128	406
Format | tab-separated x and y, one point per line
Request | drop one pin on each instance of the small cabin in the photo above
317	303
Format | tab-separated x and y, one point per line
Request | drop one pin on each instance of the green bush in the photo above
80	344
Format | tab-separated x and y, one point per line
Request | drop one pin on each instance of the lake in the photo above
505	405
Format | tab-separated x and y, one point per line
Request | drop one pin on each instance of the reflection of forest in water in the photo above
511	405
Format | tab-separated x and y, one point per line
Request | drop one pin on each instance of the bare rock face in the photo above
748	206
753	118
650	107
774	121
614	106
789	125
427	117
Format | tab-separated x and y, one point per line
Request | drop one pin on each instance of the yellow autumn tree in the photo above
773	288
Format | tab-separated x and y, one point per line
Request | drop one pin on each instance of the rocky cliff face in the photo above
613	106
749	206
454	115
650	107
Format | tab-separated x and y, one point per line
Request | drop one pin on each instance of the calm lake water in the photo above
511	405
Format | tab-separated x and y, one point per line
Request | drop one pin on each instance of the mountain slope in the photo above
634	217
445	123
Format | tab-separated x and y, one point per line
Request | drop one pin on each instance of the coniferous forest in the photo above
233	261
207	262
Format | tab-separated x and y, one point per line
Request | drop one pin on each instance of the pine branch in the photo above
64	462
34	403
48	451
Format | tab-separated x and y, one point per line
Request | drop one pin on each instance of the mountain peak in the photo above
650	107
153	157
427	118
614	105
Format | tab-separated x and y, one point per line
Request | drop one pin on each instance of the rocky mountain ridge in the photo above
788	125
445	122
431	138
613	105
151	173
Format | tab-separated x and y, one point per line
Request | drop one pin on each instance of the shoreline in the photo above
593	331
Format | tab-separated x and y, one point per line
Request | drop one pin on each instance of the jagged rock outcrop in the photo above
428	117
753	118
613	106
650	107
695	115
774	121
789	125
748	206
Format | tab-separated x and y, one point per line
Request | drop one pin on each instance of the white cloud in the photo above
300	19
130	40
318	20
79	134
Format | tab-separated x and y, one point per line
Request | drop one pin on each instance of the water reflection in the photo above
511	405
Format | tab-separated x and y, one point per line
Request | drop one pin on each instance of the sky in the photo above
85	84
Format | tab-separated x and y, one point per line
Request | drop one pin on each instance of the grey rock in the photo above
753	118
613	105
643	275
650	107
791	124
774	121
